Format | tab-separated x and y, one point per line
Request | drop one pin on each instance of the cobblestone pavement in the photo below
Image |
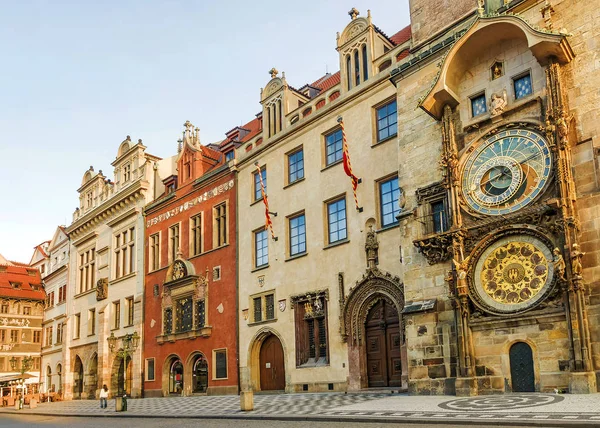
516	409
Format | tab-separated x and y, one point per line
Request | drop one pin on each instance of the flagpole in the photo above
348	166
268	222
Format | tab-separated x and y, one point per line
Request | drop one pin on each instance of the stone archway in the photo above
121	379
78	378
91	381
254	355
375	286
173	376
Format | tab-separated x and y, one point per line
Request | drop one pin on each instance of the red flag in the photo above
347	165
268	222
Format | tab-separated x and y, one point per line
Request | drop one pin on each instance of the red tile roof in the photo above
401	36
20	274
327	82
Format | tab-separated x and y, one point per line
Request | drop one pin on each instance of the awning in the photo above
16	376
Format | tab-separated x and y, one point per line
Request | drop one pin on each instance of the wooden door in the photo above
383	346
521	368
272	369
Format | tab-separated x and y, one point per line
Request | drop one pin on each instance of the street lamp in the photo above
129	344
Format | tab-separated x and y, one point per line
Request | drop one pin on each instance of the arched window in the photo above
334	95
280	114
176	377
349	71
356	68
49	379
268	122
200	374
365	63
385	64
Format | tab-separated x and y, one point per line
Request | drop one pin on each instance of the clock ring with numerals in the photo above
506	172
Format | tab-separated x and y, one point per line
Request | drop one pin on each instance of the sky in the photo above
77	77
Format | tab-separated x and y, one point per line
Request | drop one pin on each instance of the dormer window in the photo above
188	170
89	198
16	285
229	155
126	173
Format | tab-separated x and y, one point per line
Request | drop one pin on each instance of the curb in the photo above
324	418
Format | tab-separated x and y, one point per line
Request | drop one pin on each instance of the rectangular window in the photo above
155	252
297	235
270	306
87	271
478	105
130	311
387	121
310	317
14	336
200	314
196	235
149	369
124	252
257	303
36	363
49	335
295	166
184	313
91	322
127	173
50	299
261	248
2	363
389	195
37	336
173	242
168	321
221	364
3	336
257	188
333	147
76	326
522	86
59	332
26	310
229	155
439	216
220	224
116	314
263	307
4	309
336	220
62	294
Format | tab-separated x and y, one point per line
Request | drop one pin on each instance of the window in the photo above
42	269
36	363
62	294
263	307
297	235
116	314
16	285
149	369
348	72
183	315
77	326
196	235
333	147
124	252
220	364
87	272
365	63
130	311
173	242
220	224
49	334
356	68
14	336
522	86
229	155
257	188
296	166
37	336
89	199
478	105
59	332
439	216
4	309
26	310
389	195
155	251
310	315
168	321
50	299
261	248
336	220
387	121
91	322
200	315
127	173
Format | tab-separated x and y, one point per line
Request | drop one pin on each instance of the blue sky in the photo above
77	77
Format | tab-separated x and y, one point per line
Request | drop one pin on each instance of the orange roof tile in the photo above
20	274
327	82
401	36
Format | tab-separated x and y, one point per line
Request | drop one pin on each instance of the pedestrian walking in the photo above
103	396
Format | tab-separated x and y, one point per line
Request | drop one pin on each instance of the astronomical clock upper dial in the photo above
506	172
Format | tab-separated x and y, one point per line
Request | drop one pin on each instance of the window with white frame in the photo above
336	221
87	270
196	235
155	251
124	252
220	224
261	248
173	242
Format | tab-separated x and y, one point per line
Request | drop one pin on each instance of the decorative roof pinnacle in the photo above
273	72
353	13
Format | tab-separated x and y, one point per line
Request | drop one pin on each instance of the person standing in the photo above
103	396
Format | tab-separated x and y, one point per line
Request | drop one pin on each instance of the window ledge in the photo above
257	201
388	227
336	244
85	293
92	334
296	256
122	278
259	268
385	140
311	363
331	165
250	324
205	331
300	180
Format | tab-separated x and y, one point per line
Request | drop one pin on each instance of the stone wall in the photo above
428	17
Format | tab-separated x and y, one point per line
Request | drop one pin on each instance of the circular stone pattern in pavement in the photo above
500	402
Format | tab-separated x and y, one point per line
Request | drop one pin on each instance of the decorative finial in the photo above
273	72
481	7
100	172
139	141
353	13
128	138
91	168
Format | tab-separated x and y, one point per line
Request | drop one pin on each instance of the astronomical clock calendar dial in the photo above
506	172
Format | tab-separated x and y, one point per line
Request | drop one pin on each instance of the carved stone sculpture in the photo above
576	266
498	103
559	264
102	289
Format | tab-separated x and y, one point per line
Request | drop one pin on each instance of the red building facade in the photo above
190	336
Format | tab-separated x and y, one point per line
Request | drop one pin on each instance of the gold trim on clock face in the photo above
506	172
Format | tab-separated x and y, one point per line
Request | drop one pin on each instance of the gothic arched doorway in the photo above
49	379
382	330
92	381
78	378
124	376
272	368
200	374
176	377
521	368
59	376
